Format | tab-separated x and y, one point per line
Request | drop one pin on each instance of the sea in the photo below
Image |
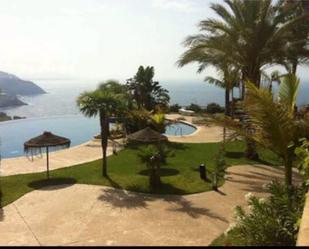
61	96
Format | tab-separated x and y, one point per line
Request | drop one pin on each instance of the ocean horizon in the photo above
61	95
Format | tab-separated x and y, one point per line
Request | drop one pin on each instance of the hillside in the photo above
12	85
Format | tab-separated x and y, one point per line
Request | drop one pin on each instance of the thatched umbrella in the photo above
147	135
46	140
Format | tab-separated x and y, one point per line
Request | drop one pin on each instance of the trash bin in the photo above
203	172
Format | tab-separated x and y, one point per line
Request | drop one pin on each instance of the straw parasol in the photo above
46	140
147	135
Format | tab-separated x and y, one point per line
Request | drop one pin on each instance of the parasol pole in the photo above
47	158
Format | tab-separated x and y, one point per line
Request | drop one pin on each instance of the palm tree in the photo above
268	80
145	92
229	78
154	156
274	121
296	51
250	34
105	103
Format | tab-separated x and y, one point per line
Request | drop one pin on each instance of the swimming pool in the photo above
77	128
179	129
14	133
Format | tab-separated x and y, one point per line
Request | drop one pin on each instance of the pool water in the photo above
77	128
13	134
179	129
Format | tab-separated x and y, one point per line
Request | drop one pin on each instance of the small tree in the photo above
273	121
302	153
219	169
154	156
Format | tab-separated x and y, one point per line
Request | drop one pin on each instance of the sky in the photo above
98	39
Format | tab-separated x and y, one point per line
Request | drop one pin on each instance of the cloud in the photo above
176	5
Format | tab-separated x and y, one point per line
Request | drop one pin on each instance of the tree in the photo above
105	102
154	156
302	153
249	34
146	92
296	51
276	127
229	78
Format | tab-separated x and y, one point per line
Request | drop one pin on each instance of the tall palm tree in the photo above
296	51
229	78
250	34
105	103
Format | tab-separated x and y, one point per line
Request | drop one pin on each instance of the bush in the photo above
194	107
155	156
174	108
214	108
270	222
219	169
302	154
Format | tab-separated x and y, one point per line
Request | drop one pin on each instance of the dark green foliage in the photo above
302	153
270	222
145	92
194	107
214	108
174	108
154	156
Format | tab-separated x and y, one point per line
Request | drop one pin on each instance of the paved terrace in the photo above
86	152
91	151
203	134
83	215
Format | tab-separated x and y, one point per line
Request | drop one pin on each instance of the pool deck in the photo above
203	134
91	151
80	215
83	153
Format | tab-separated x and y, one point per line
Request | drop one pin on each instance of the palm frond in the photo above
288	91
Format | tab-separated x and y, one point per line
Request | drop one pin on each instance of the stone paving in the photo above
83	215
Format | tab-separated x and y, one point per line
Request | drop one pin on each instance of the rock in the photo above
4	117
7	100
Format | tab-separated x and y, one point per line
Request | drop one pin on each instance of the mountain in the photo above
12	85
8	100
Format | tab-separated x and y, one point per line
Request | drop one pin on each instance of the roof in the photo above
147	135
47	139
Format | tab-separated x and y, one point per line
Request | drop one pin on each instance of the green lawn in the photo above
181	175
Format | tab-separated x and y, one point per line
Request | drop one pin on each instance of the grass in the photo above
180	175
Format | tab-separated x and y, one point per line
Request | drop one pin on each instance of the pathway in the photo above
83	215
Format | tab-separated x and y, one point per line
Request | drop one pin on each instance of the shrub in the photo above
194	107
174	108
214	108
219	169
153	157
270	222
302	154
